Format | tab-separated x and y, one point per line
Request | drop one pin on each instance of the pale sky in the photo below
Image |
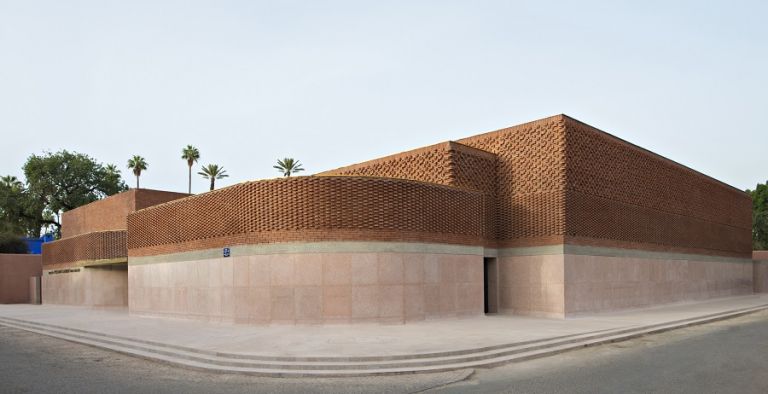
333	83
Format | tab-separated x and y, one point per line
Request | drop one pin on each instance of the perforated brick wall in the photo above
561	181
521	169
530	181
551	181
97	231
448	163
145	198
310	209
111	212
618	191
102	245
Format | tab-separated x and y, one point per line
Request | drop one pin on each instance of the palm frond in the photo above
288	165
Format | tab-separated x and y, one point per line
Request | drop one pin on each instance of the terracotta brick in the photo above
110	213
332	208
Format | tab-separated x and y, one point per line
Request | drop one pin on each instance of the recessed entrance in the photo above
490	287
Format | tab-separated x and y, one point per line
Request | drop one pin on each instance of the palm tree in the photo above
213	172
137	164
191	155
11	182
112	169
288	166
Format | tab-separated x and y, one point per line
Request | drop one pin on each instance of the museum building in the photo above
550	218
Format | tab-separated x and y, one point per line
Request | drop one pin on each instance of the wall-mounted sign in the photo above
226	252
63	271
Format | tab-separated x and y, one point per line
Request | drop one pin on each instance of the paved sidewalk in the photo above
361	339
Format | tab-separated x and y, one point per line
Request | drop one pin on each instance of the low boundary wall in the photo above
15	271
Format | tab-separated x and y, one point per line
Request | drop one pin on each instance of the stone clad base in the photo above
564	284
308	287
531	285
398	283
100	286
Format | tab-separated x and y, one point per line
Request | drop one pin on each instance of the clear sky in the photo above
333	83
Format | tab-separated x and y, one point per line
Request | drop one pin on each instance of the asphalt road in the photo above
730	356
723	357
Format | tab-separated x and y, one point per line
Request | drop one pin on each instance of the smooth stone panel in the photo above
311	288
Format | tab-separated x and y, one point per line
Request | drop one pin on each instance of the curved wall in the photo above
310	287
305	209
448	163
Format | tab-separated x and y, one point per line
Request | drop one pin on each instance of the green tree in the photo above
137	164
191	155
759	216
8	185
16	215
288	166
112	175
10	243
58	182
11	182
213	172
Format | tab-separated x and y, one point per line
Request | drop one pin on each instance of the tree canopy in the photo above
213	172
191	155
12	244
759	216
137	164
288	166
55	182
17	210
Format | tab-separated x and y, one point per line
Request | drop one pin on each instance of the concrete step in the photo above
376	360
259	357
341	366
479	354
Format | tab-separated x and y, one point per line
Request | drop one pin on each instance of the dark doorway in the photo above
490	292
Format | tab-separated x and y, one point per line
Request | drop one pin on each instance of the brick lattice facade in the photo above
96	232
552	181
558	180
530	181
91	247
310	209
449	163
619	192
521	169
